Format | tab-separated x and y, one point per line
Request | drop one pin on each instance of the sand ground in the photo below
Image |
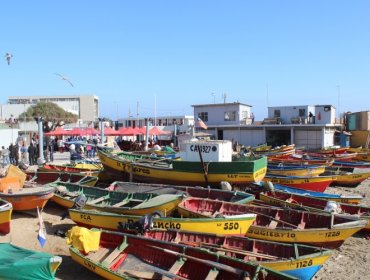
350	261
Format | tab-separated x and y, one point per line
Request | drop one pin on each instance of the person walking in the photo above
51	149
5	154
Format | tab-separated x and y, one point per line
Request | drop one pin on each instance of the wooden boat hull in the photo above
314	205
163	258
224	195
330	236
294	259
304	171
61	168
186	173
110	221
350	180
49	177
5	216
363	157
151	203
29	199
317	184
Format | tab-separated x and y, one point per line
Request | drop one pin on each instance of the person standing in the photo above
11	154
51	149
5	153
24	151
16	154
31	154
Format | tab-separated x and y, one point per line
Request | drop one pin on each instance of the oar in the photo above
229	249
147	275
211	264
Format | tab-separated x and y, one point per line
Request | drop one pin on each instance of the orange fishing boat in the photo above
29	197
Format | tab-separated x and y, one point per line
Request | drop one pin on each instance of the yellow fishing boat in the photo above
281	225
66	195
6	209
347	176
236	225
295	170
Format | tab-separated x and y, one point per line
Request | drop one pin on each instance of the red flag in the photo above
200	123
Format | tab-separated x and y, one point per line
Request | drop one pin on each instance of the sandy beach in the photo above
350	261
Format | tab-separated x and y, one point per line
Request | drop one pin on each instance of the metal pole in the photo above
146	135
41	159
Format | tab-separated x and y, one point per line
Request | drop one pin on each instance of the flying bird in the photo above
8	56
64	78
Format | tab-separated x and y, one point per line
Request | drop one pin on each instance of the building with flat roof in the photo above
86	107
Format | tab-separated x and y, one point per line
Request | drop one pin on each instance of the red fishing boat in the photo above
317	184
279	224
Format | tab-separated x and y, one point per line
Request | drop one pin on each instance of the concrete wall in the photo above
309	139
325	114
250	137
289	112
359	138
89	107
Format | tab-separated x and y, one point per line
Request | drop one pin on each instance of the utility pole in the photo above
224	97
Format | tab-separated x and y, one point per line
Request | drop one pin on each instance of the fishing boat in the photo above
279	224
44	178
297	260
301	160
29	197
347	177
66	195
363	157
290	170
6	209
125	256
317	184
224	195
69	169
204	163
234	225
354	164
18	263
256	189
312	204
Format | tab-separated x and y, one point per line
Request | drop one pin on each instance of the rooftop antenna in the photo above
224	97
155	110
338	88
214	97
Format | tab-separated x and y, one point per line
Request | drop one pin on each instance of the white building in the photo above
284	124
86	107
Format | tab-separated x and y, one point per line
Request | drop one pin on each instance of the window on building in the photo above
230	116
203	116
245	114
276	113
302	112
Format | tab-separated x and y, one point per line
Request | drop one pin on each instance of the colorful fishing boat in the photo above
354	164
347	177
29	197
68	169
297	260
49	177
224	195
312	204
279	224
290	170
363	157
317	184
125	256
20	263
301	160
66	195
235	225
256	189
6	209
202	164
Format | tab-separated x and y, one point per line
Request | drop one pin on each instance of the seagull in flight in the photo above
8	56
64	78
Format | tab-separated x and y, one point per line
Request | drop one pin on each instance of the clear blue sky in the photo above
180	52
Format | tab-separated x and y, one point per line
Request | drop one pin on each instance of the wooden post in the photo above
205	168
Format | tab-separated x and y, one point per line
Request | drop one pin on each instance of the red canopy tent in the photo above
111	132
129	131
90	131
76	131
156	131
59	131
